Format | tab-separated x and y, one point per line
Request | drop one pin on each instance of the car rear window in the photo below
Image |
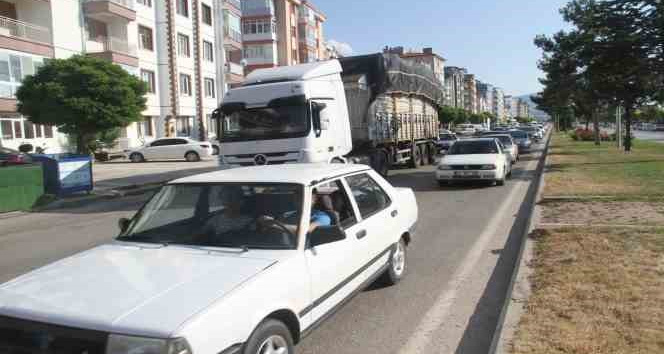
519	134
503	139
474	147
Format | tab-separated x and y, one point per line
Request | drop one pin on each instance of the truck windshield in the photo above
266	123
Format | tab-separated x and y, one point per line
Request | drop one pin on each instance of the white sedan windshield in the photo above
220	215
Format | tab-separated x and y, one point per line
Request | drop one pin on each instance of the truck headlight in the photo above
444	167
118	344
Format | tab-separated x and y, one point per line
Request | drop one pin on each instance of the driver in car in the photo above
319	217
232	218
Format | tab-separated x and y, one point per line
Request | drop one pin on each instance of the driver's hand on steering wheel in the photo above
264	219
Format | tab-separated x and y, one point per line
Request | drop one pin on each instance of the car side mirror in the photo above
325	234
123	224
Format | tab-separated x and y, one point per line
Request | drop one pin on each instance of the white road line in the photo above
437	314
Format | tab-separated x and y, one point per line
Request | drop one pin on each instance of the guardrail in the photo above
19	29
113	44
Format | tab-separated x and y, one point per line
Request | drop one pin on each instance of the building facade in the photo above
523	108
281	33
498	104
470	94
175	46
427	58
454	86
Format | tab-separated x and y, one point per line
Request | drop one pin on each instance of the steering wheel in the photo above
278	224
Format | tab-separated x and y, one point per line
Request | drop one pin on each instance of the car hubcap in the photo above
399	260
273	345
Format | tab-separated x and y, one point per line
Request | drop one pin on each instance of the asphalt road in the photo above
459	264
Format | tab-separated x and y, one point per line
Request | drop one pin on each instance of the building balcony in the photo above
233	68
259	37
112	49
258	11
25	37
235	3
234	37
104	9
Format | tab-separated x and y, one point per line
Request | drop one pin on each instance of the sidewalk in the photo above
121	178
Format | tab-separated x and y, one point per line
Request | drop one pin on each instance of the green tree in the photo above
85	97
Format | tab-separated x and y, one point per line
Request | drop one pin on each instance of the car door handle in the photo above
361	234
394	213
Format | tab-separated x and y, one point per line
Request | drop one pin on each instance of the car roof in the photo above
477	139
289	173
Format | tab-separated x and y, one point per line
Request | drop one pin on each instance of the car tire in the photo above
192	156
215	150
501	182
271	336
136	157
396	265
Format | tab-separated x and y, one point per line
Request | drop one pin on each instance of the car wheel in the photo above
396	266
501	182
192	157
136	157
215	150
270	337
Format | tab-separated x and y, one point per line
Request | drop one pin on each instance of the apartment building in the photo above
523	108
454	86
426	57
232	43
281	33
175	46
485	94
498	104
470	94
510	106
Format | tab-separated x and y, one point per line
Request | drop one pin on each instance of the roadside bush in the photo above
581	134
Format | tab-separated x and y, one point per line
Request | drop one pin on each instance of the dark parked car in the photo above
522	139
10	157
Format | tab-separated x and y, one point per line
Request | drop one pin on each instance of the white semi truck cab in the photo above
372	109
292	114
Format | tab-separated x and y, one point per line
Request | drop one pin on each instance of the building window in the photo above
28	129
145	126
183	45
147	3
259	26
209	88
145	40
182	126
208	51
48	131
185	84
207	14
6	129
38	131
148	77
258	51
18	132
182	7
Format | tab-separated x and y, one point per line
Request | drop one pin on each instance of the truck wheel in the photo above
382	163
414	157
423	153
431	154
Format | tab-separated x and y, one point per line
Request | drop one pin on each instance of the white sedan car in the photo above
481	159
508	145
172	149
248	260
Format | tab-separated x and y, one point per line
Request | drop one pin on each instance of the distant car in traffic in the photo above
171	149
465	129
522	140
239	261
444	141
479	159
9	157
508	145
535	132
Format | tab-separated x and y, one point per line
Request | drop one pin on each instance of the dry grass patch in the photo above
620	213
595	291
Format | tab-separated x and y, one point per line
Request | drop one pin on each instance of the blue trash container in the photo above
65	174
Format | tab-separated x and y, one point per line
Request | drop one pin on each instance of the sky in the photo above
493	39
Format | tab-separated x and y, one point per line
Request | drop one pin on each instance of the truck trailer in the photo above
374	109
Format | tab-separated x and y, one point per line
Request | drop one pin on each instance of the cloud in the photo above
344	49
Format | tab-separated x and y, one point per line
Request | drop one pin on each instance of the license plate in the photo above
466	174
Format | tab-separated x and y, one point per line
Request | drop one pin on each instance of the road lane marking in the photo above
437	314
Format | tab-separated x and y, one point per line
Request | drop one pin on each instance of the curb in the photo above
81	201
507	311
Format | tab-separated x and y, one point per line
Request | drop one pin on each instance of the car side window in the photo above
369	196
342	212
179	142
157	143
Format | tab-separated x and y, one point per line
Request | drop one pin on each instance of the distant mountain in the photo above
540	115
